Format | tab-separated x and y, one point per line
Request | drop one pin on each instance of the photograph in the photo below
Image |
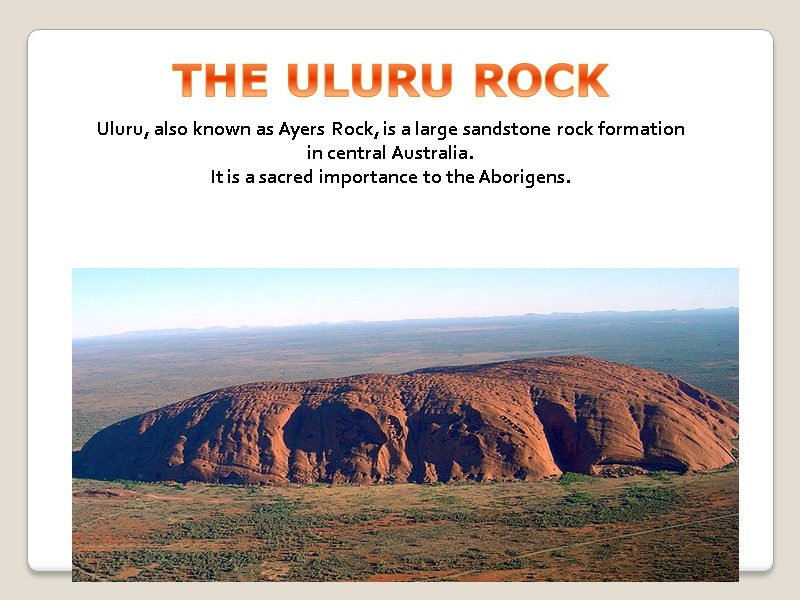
392	425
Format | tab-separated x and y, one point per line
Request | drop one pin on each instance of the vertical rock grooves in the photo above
525	419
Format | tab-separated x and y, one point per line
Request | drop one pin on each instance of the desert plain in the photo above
633	524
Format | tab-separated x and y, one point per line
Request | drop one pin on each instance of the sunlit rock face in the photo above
526	419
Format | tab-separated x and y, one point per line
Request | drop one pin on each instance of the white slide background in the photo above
703	200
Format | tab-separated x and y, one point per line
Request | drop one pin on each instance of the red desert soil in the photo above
107	493
525	419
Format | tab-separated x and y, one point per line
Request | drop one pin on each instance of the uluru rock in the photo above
524	419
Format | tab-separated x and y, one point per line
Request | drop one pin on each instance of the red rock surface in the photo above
524	419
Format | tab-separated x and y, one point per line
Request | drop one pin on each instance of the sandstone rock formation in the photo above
524	419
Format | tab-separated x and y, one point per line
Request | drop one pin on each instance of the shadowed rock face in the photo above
525	419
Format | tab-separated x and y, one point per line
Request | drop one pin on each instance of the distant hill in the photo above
524	419
247	329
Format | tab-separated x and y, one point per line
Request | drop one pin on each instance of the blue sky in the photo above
108	301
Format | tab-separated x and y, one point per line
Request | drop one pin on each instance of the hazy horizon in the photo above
363	322
109	302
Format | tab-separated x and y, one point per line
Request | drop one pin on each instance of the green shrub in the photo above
568	477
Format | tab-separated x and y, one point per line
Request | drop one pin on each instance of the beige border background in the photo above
19	19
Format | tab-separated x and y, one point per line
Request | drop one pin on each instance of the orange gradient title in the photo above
523	80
